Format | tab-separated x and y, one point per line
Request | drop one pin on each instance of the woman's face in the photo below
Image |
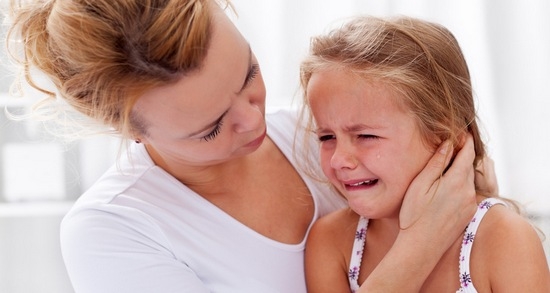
371	148
212	114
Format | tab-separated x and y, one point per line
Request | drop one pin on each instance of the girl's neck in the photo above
385	229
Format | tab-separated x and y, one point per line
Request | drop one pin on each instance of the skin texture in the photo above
371	154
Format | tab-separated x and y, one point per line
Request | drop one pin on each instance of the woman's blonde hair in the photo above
101	55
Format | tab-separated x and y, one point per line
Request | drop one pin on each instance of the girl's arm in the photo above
434	214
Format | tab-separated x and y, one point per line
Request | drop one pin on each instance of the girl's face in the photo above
371	148
213	114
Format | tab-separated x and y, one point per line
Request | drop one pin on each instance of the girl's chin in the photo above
372	209
363	208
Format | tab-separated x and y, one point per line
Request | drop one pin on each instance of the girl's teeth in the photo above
360	183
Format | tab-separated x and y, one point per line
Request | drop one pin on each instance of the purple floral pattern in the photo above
357	254
466	285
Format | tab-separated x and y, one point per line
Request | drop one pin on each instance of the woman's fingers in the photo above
448	200
485	177
418	195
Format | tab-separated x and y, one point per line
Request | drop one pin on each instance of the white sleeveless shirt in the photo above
466	285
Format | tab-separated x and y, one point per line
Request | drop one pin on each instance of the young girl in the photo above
383	94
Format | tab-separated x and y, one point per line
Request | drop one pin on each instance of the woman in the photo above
210	197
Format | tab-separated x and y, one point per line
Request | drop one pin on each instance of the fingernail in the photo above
444	148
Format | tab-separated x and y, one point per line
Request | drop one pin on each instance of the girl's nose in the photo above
343	158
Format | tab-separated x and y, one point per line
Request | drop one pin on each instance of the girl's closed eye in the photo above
327	137
368	136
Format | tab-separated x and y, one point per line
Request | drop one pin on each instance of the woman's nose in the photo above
249	117
250	111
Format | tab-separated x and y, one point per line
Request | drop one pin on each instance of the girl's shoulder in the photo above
508	252
338	221
336	229
502	221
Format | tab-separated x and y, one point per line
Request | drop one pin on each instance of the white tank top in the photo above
466	285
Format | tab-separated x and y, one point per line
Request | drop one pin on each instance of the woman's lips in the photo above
258	141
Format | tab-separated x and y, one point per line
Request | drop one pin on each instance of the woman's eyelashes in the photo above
214	132
252	73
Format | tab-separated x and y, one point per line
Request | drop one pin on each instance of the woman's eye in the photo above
252	73
214	132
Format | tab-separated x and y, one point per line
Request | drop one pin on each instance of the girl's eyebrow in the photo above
361	127
353	128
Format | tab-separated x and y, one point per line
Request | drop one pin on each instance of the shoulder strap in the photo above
357	253
468	241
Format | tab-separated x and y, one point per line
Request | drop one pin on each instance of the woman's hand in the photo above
485	177
445	204
435	211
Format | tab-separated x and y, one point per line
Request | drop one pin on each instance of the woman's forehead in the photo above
203	95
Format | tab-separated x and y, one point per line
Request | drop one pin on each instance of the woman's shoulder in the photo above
122	198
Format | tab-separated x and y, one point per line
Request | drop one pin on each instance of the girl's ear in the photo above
457	145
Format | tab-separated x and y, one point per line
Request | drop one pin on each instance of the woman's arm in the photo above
119	250
435	212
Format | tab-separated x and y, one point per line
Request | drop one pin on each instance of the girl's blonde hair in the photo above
420	60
